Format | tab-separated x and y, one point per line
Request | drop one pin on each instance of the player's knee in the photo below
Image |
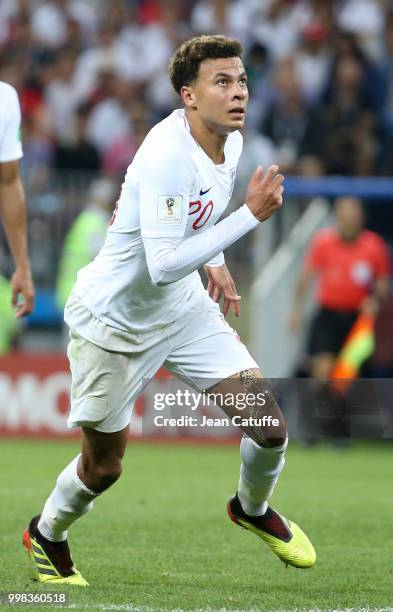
273	437
104	474
109	472
275	442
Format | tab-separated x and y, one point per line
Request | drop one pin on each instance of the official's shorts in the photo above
329	329
200	351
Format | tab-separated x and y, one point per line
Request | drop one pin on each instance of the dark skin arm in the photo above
13	215
302	287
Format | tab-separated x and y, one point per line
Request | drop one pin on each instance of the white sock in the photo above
259	473
69	500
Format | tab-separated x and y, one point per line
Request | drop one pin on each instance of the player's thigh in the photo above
207	350
208	354
105	384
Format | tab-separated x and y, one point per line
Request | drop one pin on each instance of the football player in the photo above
142	304
12	199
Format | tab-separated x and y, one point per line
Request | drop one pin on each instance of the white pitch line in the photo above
131	608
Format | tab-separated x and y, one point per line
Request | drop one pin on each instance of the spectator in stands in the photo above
272	25
306	12
20	38
38	152
110	118
117	37
164	34
80	155
385	165
342	134
286	118
118	156
258	67
74	42
49	22
63	96
312	62
106	56
372	85
229	18
365	19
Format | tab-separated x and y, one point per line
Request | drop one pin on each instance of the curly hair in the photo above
184	63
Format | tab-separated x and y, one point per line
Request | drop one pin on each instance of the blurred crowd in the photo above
92	79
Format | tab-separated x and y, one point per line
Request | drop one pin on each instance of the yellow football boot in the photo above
284	537
52	560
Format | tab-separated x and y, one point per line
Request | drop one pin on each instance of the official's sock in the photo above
69	500
259	473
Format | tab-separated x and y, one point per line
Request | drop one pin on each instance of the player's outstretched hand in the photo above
22	292
264	192
221	284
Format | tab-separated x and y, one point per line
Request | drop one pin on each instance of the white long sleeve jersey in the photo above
164	227
10	119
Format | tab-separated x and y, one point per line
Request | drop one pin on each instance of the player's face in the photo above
220	94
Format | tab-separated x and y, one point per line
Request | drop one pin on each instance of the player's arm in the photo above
372	303
12	204
312	265
313	262
381	285
302	288
220	284
172	258
381	288
217	261
13	213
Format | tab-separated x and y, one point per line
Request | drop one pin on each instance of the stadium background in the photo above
91	76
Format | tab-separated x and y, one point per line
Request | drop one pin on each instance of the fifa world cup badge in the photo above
170	202
169	209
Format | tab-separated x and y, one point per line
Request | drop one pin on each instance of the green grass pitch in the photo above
160	538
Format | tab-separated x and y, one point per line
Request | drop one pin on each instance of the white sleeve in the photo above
10	136
164	183
216	261
170	259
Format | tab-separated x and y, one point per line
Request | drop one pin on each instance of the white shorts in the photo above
201	351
